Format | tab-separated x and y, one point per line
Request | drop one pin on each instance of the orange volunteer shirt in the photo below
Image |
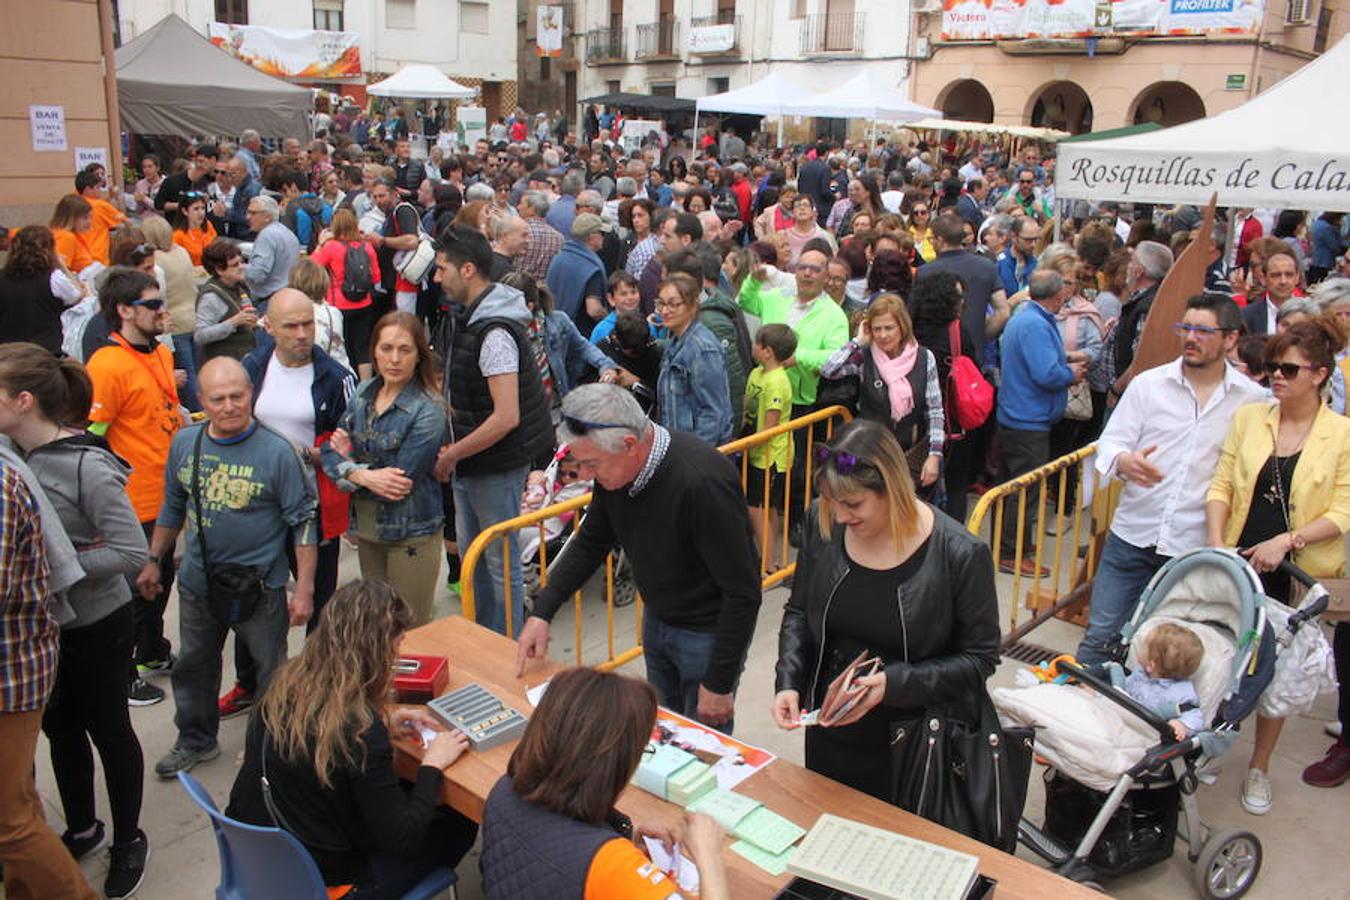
134	394
194	240
72	250
106	218
620	870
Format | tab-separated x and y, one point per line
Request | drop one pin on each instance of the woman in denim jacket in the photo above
383	452
552	333
691	391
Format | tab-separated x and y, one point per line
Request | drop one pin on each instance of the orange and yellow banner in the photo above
291	52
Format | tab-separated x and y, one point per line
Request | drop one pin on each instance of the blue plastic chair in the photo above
258	863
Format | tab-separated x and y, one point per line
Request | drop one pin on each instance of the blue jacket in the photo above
237	219
1013	279
1036	377
562	213
332	388
569	354
407	435
691	391
1326	244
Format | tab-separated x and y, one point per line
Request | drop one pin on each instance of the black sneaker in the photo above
143	693
126	867
80	847
157	667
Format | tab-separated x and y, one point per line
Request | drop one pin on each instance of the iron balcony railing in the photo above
605	45
832	33
658	39
724	17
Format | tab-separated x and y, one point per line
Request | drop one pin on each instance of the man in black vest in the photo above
499	421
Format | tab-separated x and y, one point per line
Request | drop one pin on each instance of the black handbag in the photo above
233	591
971	778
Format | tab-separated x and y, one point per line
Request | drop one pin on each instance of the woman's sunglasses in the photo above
1288	370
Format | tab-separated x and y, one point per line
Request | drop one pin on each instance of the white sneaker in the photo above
1333	729
1256	794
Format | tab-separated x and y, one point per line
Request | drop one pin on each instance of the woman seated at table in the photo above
546	825
882	572
321	737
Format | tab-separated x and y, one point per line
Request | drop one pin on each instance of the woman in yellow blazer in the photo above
1282	489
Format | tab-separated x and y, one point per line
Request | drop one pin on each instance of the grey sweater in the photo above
86	484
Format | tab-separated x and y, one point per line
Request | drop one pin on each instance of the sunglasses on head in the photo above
189	196
1288	370
581	427
154	305
845	463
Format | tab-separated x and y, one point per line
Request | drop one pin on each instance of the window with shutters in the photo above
473	17
328	15
400	13
232	12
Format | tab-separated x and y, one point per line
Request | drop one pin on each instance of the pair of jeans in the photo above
149	643
1122	574
480	502
196	675
677	659
37	865
185	358
90	702
325	583
1022	452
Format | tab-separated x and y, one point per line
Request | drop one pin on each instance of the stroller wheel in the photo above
1228	864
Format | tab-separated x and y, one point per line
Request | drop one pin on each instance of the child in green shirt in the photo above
768	403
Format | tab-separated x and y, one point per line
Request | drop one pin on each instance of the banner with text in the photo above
548	31
985	20
291	52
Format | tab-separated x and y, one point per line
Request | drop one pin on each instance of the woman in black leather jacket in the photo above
883	572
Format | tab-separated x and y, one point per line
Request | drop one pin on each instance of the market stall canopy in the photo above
419	82
864	96
1022	131
172	80
1242	154
653	102
773	95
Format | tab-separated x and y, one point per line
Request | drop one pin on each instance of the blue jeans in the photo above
185	357
480	502
677	659
1122	575
196	675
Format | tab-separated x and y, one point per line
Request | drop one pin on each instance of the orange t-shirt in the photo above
194	240
106	218
620	871
134	394
72	249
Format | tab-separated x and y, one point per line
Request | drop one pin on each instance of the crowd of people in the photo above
270	350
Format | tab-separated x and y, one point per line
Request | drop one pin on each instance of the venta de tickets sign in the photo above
986	20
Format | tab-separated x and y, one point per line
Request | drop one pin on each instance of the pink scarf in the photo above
895	372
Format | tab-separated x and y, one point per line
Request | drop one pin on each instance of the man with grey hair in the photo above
275	250
624	189
542	241
562	211
675	506
590	201
509	234
478	192
250	145
1031	398
1148	266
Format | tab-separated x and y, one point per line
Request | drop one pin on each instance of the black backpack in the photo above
357	282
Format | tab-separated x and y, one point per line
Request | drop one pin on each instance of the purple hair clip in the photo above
844	462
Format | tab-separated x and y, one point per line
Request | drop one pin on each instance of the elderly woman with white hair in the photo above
1333	295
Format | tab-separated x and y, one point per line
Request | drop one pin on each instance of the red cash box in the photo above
420	679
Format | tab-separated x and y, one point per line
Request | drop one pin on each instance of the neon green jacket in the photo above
823	330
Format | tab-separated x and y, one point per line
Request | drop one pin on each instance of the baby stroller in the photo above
546	544
1113	796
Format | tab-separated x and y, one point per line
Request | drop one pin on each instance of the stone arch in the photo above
1167	103
1063	105
967	100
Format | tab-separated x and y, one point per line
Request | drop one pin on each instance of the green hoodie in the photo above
822	331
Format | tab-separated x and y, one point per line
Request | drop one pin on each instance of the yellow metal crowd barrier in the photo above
774	568
1053	565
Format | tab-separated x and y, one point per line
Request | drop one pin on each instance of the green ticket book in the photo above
726	807
656	768
768	831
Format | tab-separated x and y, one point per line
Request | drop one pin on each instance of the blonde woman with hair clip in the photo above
321	739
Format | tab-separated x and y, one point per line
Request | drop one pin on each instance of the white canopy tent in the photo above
1243	155
418	82
773	95
864	96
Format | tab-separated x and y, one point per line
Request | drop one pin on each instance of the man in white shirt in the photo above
1163	440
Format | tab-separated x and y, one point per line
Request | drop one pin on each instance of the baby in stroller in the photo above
1162	680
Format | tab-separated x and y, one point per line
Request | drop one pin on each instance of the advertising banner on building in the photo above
712	38
985	20
291	52
548	31
470	125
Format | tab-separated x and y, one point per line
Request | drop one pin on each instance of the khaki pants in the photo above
37	864
412	566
